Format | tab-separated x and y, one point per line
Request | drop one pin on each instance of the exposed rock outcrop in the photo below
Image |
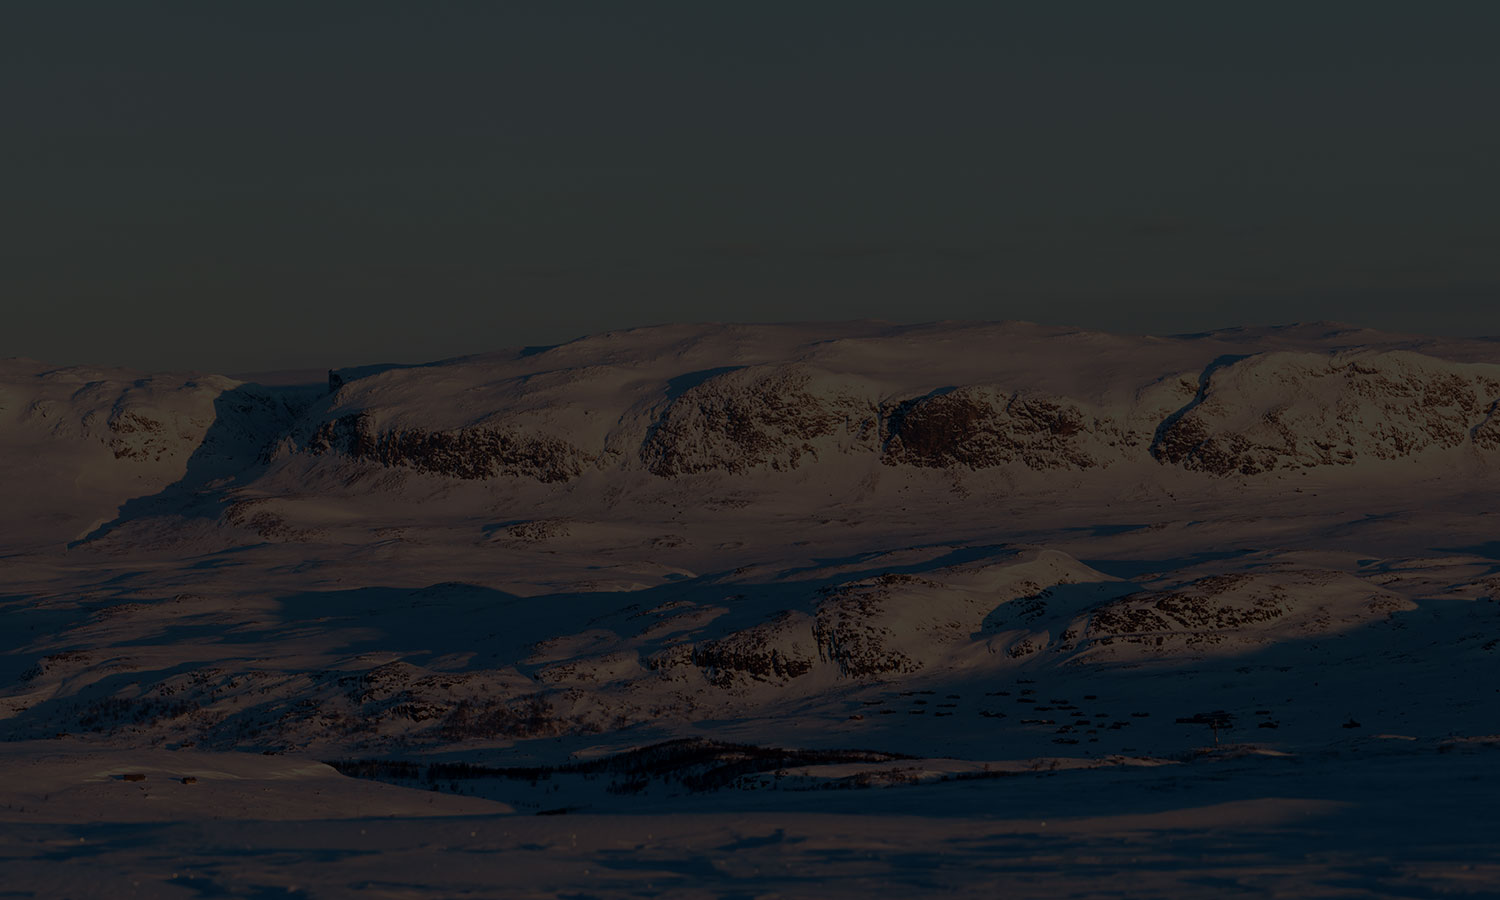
901	623
1289	411
778	650
981	427
759	417
466	453
1236	610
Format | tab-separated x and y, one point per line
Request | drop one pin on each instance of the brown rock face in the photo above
747	419
977	428
780	649
851	630
467	453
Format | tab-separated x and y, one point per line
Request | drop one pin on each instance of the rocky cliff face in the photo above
463	453
983	427
777	650
773	417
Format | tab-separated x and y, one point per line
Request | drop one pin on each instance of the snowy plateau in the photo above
972	610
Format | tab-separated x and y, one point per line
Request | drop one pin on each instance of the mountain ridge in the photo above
1001	404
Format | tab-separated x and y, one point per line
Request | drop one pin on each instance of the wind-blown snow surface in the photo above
761	609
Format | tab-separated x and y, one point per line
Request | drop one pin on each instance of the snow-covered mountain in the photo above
747	403
759	558
701	463
965	397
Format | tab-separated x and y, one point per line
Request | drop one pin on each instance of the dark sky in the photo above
237	186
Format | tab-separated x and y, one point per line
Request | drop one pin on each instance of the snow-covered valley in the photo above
973	609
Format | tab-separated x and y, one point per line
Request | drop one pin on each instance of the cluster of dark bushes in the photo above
117	712
378	769
533	716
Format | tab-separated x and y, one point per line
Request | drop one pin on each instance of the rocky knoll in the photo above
1226	613
780	649
1288	411
891	624
773	416
985	427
